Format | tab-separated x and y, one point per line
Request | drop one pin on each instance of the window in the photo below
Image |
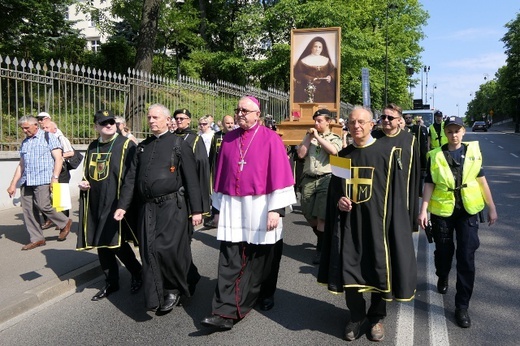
95	45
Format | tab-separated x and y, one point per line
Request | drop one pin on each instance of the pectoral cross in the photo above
241	163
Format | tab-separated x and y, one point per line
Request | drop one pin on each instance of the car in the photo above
479	126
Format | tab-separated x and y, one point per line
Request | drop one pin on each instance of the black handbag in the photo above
74	161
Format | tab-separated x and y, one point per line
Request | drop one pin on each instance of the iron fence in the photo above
73	93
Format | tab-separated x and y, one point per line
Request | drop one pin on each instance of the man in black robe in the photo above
106	166
363	249
183	120
421	135
408	164
165	182
228	124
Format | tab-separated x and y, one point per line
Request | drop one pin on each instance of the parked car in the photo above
479	126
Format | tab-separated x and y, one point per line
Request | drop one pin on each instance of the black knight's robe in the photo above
361	248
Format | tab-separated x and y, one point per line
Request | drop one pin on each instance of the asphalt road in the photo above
305	312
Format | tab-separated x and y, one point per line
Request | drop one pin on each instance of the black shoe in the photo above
267	304
170	300
354	330
218	321
105	292
135	284
462	318
442	285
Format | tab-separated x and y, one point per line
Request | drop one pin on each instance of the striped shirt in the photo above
37	158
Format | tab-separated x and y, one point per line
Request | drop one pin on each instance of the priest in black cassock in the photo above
409	165
165	182
107	165
363	250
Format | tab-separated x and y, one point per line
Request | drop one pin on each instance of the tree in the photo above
37	29
511	80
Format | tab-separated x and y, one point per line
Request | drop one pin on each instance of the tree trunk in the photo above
144	57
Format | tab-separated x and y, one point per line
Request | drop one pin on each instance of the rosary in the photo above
242	154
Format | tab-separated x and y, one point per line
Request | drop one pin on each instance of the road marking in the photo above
436	319
514	155
491	142
405	313
501	147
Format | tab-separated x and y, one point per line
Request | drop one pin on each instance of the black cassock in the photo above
370	247
106	167
165	181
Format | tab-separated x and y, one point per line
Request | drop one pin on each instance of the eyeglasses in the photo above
243	111
360	122
107	122
203	124
181	118
389	117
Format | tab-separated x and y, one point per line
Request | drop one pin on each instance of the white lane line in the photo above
514	155
436	319
491	142
501	147
405	313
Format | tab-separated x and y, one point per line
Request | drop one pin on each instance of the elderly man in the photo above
43	119
216	142
165	182
362	252
107	163
253	185
40	165
317	145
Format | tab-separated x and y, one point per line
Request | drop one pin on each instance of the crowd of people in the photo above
237	177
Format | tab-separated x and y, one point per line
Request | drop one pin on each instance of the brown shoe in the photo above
48	224
377	332
65	231
33	245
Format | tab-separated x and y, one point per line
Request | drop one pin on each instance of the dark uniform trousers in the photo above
357	306
108	261
466	231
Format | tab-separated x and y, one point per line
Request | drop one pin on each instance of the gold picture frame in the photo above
315	68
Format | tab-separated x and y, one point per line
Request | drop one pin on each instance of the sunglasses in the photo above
389	117
203	124
180	119
107	122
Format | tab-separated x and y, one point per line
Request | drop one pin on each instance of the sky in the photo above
462	46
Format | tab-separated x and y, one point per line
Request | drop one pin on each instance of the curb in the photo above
37	296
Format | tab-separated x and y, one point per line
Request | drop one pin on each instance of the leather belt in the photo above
161	199
317	175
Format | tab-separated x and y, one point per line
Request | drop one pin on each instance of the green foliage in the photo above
37	30
237	41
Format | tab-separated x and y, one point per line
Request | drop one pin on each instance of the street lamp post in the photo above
433	95
426	70
388	8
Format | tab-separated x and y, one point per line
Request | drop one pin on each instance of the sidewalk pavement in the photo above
31	278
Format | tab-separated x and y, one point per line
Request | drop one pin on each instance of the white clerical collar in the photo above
159	135
369	141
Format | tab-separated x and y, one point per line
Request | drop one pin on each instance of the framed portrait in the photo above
315	68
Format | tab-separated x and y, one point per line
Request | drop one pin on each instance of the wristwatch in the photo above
55	177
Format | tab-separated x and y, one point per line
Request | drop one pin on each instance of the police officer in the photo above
455	191
436	136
